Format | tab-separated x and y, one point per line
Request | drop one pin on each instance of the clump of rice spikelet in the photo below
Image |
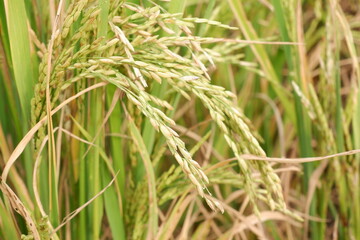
136	57
59	66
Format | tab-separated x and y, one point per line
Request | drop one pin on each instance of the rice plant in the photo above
179	119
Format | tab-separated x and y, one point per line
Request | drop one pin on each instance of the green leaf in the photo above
20	53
